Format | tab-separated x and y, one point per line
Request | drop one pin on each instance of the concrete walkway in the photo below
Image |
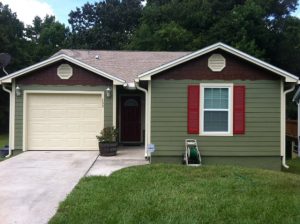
33	183
126	157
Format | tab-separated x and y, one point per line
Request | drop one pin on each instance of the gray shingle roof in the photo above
126	65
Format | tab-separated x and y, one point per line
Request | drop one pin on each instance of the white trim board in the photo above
288	76
13	113
8	78
114	96
282	119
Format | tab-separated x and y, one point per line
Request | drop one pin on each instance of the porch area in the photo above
126	156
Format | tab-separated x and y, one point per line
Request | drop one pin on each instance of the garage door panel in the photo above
74	113
91	113
56	114
63	121
39	113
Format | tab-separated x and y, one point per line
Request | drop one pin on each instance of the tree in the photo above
104	25
45	37
254	26
26	46
12	38
11	41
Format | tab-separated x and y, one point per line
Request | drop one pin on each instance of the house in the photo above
231	102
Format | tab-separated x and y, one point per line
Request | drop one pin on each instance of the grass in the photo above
3	142
294	165
179	194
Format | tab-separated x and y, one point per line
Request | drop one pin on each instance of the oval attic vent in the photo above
216	62
64	71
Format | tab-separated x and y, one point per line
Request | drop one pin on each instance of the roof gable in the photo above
48	75
235	69
288	76
8	78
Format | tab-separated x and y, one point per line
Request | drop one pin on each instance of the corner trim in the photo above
114	95
282	119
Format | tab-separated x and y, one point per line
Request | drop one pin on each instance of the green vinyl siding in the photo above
108	118
169	120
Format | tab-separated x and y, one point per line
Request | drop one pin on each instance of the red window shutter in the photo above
193	109
239	109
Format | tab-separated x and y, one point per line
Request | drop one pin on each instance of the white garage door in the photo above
63	121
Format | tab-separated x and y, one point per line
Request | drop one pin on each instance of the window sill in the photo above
216	134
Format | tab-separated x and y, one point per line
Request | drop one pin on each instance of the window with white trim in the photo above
216	109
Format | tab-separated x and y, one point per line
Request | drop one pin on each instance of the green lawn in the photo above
180	194
3	140
294	165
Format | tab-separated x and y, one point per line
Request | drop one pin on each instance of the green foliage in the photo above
12	42
251	26
180	194
26	45
12	39
46	37
104	25
108	135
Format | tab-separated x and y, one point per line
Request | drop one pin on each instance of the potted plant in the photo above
108	141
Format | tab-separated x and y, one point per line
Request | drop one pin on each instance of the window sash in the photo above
216	121
216	97
229	109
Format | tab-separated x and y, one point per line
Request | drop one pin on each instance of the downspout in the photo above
146	115
10	118
284	98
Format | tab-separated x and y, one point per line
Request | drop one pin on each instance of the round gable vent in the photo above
64	71
216	62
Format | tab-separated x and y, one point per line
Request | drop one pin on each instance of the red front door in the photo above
130	119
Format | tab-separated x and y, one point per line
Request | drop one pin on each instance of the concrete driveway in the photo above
33	183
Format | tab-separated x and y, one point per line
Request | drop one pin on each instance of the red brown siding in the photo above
48	76
236	69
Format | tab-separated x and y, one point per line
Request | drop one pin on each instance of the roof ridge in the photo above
138	51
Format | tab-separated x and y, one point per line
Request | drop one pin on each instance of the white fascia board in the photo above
8	78
288	76
289	79
118	82
5	81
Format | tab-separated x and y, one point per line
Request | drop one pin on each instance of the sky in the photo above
27	9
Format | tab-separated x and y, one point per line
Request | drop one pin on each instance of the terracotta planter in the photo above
108	149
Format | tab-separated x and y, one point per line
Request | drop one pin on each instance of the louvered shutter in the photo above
193	109
239	109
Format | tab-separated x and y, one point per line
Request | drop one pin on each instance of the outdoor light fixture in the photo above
18	91
108	92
